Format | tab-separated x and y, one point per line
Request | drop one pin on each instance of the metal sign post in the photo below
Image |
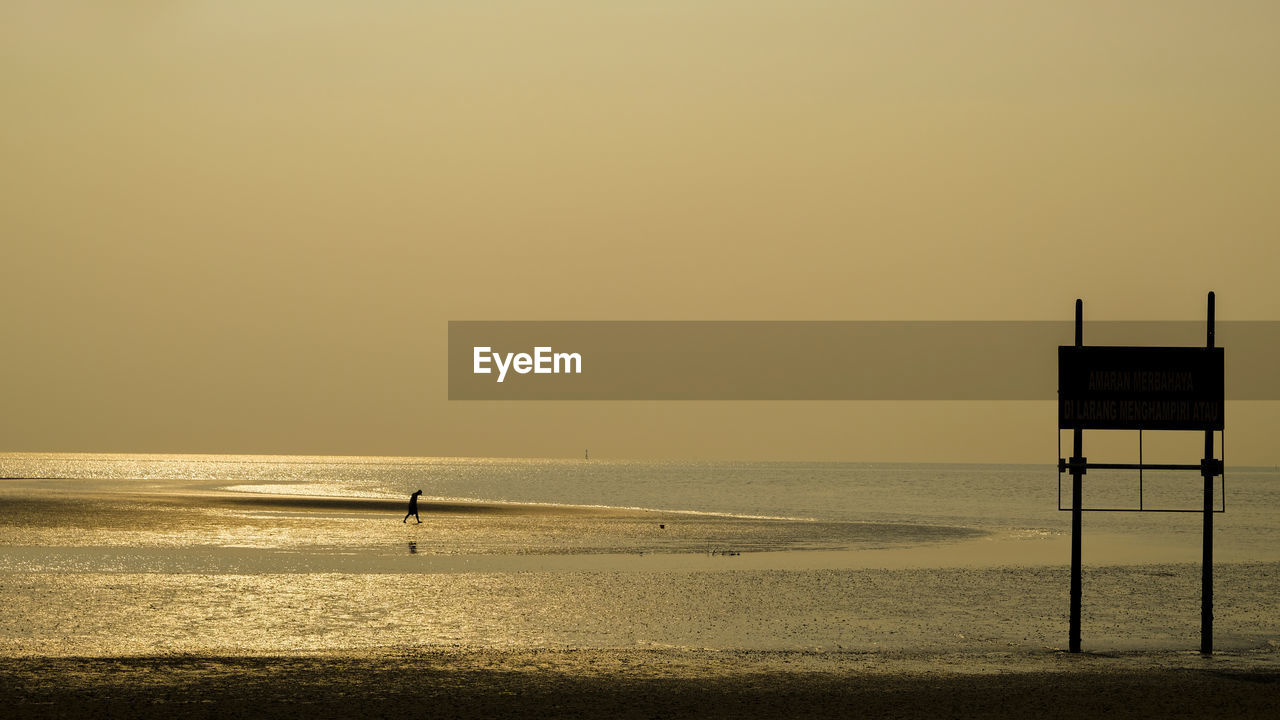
1077	483
1206	569
1140	388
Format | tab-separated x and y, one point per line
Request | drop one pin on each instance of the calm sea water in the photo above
1018	497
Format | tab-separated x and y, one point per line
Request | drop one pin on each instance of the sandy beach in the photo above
645	684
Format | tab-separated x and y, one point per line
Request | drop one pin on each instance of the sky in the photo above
243	227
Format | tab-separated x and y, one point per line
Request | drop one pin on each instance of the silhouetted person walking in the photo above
413	508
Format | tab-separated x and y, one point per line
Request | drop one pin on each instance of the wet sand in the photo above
970	611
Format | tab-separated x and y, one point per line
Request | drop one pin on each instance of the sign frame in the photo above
1140	388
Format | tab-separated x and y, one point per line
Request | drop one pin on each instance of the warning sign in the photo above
1147	388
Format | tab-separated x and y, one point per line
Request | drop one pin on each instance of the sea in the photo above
143	554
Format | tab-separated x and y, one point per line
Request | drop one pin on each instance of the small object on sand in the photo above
662	527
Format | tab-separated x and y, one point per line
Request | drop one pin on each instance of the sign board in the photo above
1140	388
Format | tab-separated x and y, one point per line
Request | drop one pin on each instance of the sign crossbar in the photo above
1220	509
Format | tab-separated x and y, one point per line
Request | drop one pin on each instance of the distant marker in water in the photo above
586	454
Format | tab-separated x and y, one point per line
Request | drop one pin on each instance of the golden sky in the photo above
243	226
